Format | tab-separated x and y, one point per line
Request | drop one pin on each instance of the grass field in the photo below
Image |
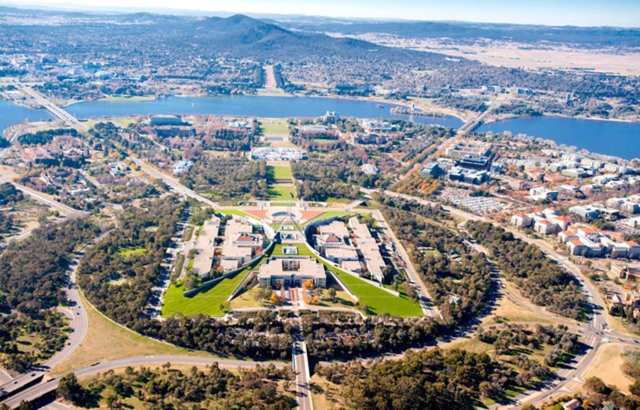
608	366
207	302
375	298
274	126
235	212
273	92
303	250
331	214
122	122
107	340
282	192
507	311
130	252
339	200
280	172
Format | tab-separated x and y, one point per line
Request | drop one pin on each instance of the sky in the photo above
622	13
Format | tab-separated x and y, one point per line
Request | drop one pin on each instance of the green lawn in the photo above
325	141
339	200
282	192
235	212
303	250
331	214
127	253
276	126
207	302
280	172
376	299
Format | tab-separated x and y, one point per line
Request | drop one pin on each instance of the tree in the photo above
635	388
410	291
191	281
596	385
70	389
264	293
331	294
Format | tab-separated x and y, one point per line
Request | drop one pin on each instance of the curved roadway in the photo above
49	386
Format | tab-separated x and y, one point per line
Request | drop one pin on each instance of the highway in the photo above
49	386
52	108
46	199
171	182
301	368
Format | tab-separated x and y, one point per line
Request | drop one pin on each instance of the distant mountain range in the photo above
237	35
248	36
465	32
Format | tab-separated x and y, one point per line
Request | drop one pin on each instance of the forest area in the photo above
540	279
34	274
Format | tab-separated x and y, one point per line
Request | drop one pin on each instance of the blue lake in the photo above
270	107
621	139
605	137
11	114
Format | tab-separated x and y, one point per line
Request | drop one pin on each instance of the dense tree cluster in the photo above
120	285
7	224
166	388
9	195
416	185
260	337
458	280
538	277
34	270
510	339
226	179
45	136
429	379
31	284
323	178
334	335
47	328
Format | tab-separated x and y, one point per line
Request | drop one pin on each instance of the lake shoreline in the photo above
578	117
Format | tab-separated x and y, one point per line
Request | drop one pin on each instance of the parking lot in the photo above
476	204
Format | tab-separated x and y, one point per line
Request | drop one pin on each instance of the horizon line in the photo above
169	11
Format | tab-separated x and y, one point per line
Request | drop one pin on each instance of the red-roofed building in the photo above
521	219
545	227
577	247
562	221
